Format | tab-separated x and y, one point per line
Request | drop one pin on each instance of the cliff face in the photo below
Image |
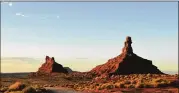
126	63
51	66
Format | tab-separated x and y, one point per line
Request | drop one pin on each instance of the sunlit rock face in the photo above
126	63
51	66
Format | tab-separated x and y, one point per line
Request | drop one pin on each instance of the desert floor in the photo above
61	83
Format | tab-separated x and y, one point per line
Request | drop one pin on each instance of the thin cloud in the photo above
20	14
23	59
23	15
81	58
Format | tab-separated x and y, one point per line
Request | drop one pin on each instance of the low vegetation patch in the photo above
128	81
19	87
16	86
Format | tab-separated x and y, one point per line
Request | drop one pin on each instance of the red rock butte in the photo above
126	63
51	66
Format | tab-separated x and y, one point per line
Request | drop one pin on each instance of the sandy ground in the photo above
10	79
144	90
61	90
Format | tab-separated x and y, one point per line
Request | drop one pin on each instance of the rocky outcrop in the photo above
68	69
51	66
126	63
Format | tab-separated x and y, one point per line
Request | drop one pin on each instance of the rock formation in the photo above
51	66
126	63
68	69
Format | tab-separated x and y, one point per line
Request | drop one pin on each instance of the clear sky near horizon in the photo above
82	35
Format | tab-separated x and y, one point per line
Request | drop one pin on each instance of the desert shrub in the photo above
164	84
132	77
106	86
122	85
101	87
96	84
134	82
79	88
127	82
149	75
130	86
125	77
117	85
16	86
160	82
140	75
76	85
37	86
29	89
3	89
148	85
91	86
140	80
139	85
110	86
135	75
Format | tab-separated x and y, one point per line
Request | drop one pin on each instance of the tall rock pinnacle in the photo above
126	63
127	46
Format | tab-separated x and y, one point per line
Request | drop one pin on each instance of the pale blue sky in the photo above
90	30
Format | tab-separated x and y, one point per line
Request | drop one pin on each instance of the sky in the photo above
82	35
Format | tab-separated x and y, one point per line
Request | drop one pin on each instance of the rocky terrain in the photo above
126	63
51	66
19	87
126	73
85	83
122	82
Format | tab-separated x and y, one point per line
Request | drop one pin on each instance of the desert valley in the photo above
125	73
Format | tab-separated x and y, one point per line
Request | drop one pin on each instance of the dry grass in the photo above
19	87
128	81
98	83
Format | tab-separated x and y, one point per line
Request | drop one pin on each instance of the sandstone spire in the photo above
127	46
126	63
